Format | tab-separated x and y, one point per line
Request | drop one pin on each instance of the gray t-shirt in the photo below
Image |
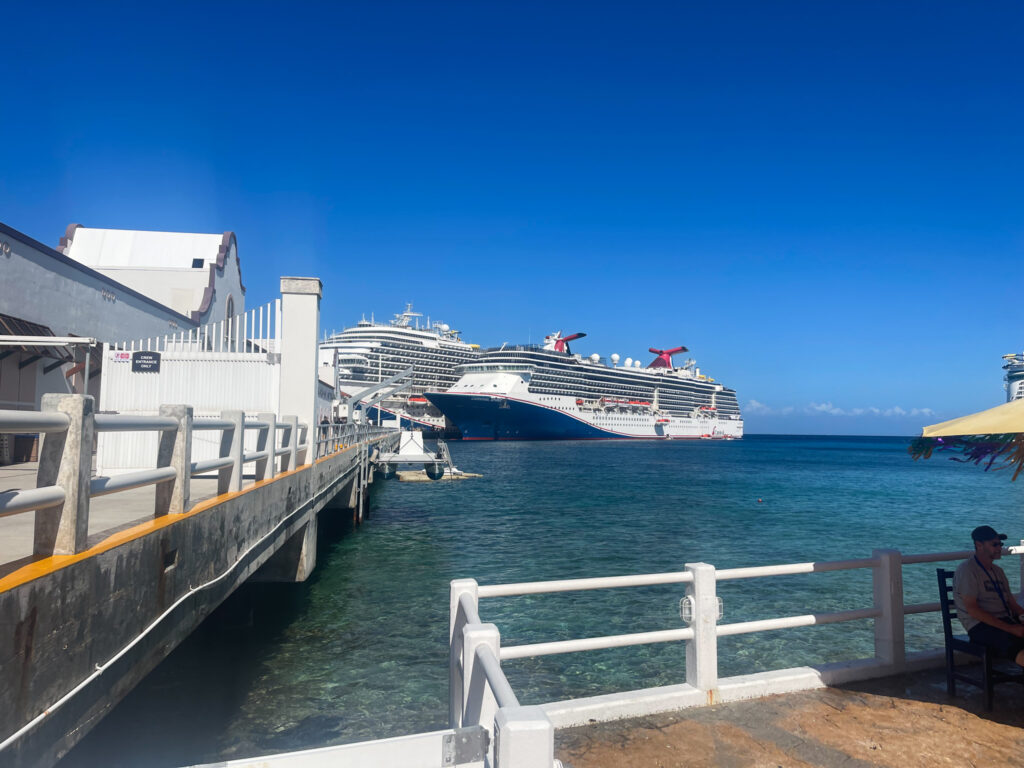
971	580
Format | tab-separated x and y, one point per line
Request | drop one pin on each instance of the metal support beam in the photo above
373	395
27	362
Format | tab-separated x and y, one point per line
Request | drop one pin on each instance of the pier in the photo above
104	572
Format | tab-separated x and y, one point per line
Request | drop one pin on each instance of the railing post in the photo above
523	738
65	460
702	650
293	442
232	444
266	440
172	496
1020	595
478	703
887	578
304	439
456	621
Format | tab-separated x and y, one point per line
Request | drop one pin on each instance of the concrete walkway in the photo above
898	722
107	514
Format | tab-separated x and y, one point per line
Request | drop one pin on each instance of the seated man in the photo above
984	602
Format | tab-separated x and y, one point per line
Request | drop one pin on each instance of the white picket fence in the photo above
255	331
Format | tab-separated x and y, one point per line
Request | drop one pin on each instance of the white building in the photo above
110	285
196	275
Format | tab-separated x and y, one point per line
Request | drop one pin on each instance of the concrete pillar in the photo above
172	497
232	444
65	460
266	441
702	651
887	578
456	621
300	307
296	558
523	738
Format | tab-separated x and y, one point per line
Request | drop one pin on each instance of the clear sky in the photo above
822	200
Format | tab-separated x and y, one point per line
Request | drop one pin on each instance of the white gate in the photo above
229	365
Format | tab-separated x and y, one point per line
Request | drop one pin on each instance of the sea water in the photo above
360	650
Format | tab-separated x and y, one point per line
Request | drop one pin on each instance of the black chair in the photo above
989	675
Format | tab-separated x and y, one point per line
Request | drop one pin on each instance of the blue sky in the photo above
823	201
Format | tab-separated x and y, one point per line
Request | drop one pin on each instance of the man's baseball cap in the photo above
986	533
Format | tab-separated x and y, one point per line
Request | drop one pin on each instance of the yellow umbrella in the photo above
1004	419
995	437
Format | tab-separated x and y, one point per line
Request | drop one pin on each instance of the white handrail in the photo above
101	486
212	424
32	421
789	569
200	467
788	622
503	693
595	643
568	585
16	502
118	422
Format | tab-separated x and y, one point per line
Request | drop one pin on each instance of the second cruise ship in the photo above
544	392
371	352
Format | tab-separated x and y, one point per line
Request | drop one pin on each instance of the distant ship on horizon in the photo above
545	392
1013	378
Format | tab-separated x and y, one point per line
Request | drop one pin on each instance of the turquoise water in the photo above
360	651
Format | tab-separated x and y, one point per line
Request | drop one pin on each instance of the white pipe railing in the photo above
595	643
569	585
102	486
65	465
30	499
702	612
32	422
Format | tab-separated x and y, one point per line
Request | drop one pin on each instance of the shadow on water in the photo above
205	681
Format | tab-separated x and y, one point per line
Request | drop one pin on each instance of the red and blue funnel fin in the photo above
664	356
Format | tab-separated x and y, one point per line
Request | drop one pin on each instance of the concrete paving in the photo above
107	514
900	722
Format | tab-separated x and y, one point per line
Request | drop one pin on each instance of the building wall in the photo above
46	287
193	274
227	283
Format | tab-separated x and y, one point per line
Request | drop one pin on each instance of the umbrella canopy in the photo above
995	437
1004	419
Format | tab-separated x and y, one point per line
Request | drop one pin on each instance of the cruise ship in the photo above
545	392
371	352
1013	379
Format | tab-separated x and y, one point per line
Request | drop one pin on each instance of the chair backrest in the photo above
946	601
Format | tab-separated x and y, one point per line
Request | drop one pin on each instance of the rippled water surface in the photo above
360	650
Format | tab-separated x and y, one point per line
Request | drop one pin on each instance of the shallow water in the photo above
360	650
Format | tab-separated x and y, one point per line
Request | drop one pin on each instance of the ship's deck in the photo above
906	721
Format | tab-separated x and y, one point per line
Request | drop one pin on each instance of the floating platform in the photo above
420	476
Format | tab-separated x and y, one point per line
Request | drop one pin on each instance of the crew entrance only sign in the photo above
145	362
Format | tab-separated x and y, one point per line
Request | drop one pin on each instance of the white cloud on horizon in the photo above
829	409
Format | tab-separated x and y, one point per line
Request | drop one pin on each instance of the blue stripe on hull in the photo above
483	418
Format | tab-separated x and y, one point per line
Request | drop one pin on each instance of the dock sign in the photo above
145	362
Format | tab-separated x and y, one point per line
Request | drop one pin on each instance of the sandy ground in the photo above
899	722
